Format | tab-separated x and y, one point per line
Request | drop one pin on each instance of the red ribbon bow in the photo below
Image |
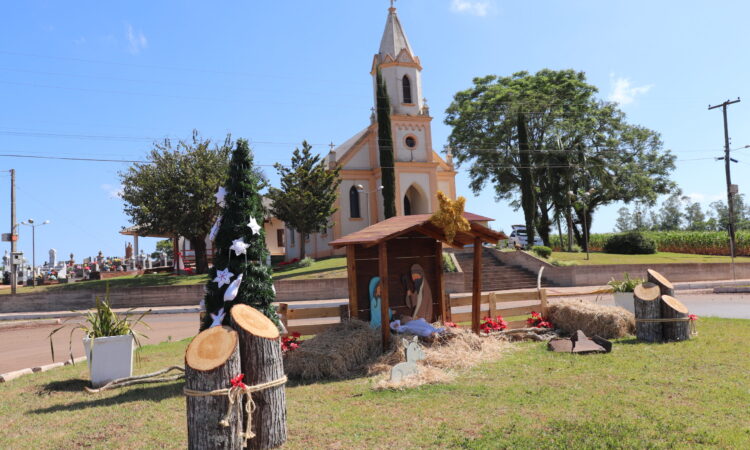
237	381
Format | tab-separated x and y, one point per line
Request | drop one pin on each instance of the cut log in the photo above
647	306
260	353
665	286
212	359
671	308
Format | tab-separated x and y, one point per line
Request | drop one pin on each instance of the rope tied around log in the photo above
235	394
693	331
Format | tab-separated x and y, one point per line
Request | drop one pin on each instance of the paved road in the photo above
29	347
704	304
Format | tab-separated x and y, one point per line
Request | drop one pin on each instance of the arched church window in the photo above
354	203
407	89
407	206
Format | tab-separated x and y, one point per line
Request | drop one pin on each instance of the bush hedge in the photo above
694	242
630	243
541	250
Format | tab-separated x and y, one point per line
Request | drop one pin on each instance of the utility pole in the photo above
727	160
13	232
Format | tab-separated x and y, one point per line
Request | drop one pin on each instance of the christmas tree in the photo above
240	273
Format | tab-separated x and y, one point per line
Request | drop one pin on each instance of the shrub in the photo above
626	285
306	262
448	265
542	251
630	243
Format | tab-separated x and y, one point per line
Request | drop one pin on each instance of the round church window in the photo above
410	142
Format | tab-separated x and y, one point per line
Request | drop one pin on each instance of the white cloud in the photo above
475	7
136	39
623	91
114	192
705	198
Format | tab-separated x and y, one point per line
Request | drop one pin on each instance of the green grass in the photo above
690	394
334	267
657	258
127	281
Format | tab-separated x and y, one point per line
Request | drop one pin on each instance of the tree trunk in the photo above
260	352
301	245
665	286
671	308
201	259
212	359
647	306
528	197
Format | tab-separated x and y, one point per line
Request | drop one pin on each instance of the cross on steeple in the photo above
392	1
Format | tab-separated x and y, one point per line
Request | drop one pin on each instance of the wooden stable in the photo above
388	250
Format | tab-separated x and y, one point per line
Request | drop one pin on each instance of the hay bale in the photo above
339	352
608	322
458	350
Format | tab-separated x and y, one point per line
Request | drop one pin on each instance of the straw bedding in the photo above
608	322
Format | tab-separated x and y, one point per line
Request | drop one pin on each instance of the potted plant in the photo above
109	341
623	291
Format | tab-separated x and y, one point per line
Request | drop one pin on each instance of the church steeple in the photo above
401	69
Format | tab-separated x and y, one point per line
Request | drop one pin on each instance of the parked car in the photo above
518	236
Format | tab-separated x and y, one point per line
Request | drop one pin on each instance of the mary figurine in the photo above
375	302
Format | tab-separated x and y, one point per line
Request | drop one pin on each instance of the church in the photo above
420	172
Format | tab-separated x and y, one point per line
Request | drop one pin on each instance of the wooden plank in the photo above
384	305
476	286
351	274
440	283
461	317
517	324
518	311
501	297
314	313
466	300
283	311
493	305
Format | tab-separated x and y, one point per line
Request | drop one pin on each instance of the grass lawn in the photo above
334	267
690	394
659	257
158	279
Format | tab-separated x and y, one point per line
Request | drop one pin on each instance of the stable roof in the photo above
399	225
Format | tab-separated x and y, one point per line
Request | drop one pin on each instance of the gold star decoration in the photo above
450	216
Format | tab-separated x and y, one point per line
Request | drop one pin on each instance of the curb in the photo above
732	290
11	325
62	315
9	376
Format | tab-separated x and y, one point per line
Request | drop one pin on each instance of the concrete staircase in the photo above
495	275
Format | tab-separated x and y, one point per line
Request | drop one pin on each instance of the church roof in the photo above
342	149
394	38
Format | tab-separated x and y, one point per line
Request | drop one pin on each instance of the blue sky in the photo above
103	80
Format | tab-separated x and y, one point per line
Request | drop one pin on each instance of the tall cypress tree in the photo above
385	145
242	206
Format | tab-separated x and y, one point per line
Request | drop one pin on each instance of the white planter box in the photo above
625	300
112	358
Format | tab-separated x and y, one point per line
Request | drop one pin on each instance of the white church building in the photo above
420	172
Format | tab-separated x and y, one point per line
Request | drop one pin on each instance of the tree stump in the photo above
260	353
671	308
212	359
665	286
647	306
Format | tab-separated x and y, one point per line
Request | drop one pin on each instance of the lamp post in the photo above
33	226
583	197
361	190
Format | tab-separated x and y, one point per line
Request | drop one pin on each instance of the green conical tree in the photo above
242	205
385	145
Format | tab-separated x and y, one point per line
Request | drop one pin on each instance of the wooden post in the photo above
260	353
344	314
440	281
211	360
283	312
543	300
385	321
493	304
351	275
665	286
476	286
646	305
447	314
671	308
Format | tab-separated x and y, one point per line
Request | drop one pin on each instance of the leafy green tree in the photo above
241	227
538	137
164	246
741	214
624	220
670	215
695	218
307	196
173	193
385	146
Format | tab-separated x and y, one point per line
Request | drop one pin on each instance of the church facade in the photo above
420	172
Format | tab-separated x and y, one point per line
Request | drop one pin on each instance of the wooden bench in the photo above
494	306
322	314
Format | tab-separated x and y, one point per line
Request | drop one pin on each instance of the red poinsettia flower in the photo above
693	317
296	335
450	324
237	381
